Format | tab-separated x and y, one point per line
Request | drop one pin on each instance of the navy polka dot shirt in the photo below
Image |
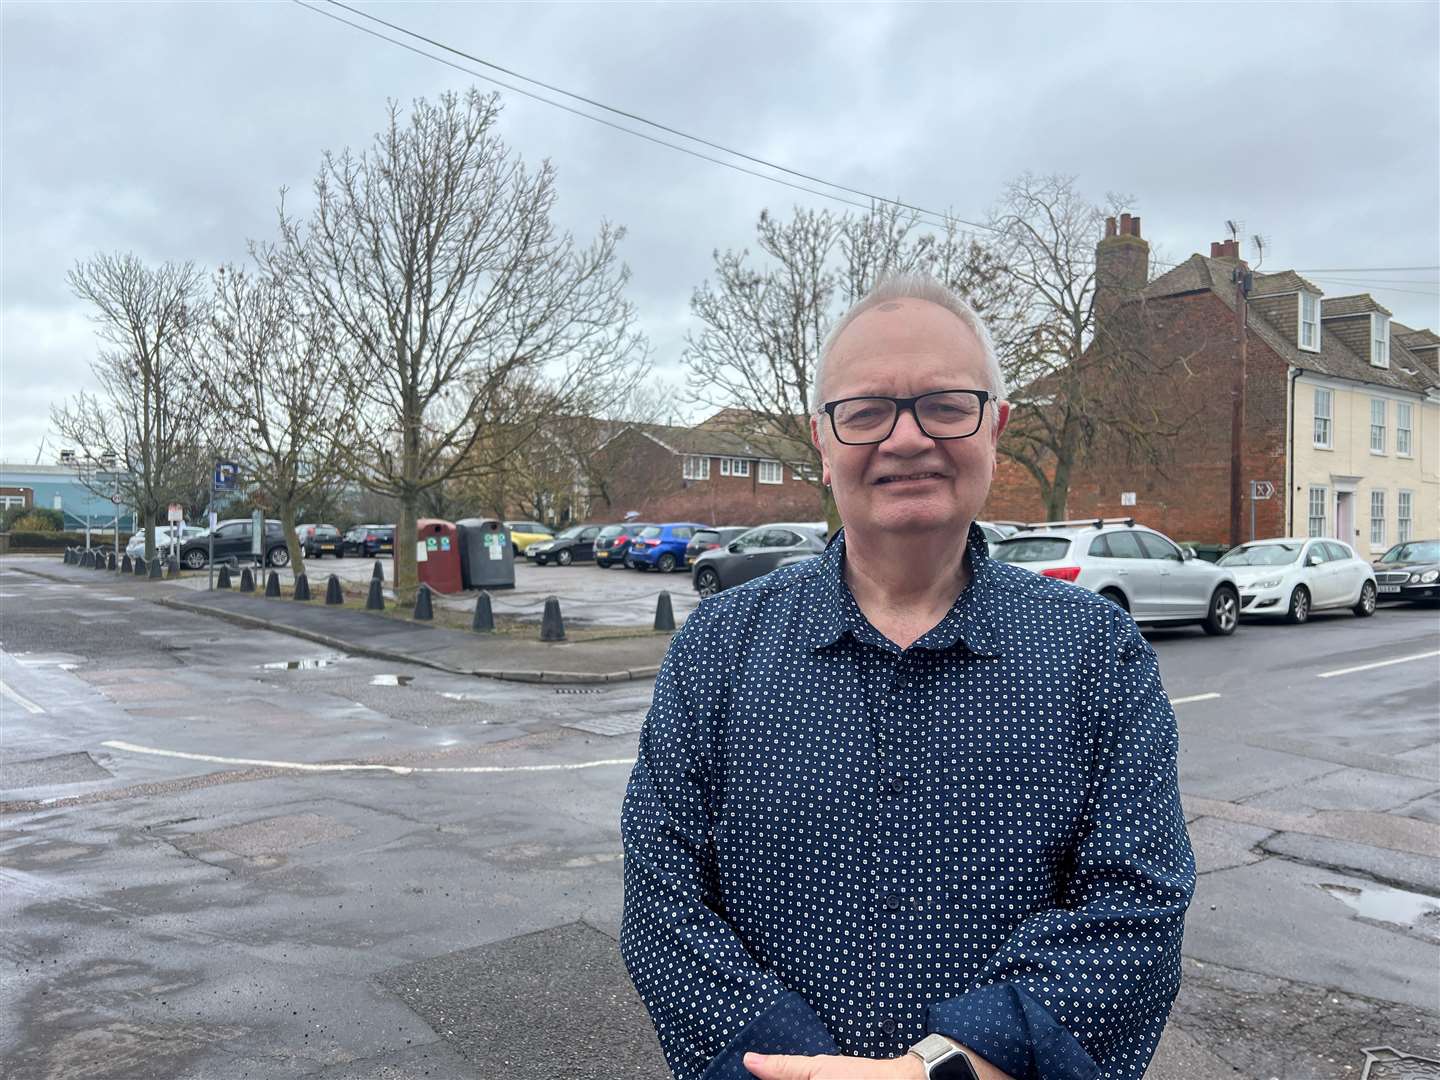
837	846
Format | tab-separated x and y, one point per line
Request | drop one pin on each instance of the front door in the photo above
1345	516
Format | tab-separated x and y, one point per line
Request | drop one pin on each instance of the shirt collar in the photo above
969	621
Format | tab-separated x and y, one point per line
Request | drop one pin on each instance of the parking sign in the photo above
225	473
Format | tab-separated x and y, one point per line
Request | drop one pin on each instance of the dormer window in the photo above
1379	340
1309	322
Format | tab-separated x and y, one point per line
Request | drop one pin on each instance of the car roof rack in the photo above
1089	523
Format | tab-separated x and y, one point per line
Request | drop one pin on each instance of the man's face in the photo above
910	482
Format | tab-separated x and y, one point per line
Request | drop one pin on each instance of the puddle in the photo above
302	665
1385	904
391	680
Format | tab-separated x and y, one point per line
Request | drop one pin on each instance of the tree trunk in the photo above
406	574
149	534
292	542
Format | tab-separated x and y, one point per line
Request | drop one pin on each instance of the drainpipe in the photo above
1295	374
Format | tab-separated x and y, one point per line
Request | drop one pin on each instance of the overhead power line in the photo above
1367	269
935	218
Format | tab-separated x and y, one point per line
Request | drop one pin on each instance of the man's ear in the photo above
818	441
1002	417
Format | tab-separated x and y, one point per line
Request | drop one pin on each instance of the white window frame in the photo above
736	466
1318	497
1404	421
804	473
696	467
1404	515
1323	435
1312	323
770	472
1379	408
7	501
1377	518
1379	340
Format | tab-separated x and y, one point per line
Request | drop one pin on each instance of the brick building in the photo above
706	473
1342	413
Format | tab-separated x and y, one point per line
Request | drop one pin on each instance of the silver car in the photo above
752	554
1138	568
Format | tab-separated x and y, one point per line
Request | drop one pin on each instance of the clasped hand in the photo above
831	1067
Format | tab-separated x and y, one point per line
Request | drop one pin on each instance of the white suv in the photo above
1138	568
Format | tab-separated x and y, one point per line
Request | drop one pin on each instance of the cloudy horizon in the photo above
170	129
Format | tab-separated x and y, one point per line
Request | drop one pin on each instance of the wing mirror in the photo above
1187	553
1313	560
733	548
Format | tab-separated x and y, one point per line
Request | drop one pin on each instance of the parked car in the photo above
1138	568
661	547
525	533
135	546
1293	576
993	533
232	541
710	538
612	546
576	542
751	554
1409	571
321	540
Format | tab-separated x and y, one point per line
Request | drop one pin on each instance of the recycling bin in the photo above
437	555
487	557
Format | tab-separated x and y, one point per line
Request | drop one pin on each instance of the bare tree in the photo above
1076	381
436	258
140	412
761	330
267	365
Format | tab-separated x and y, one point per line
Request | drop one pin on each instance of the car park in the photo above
710	538
612	545
575	544
752	554
1292	577
321	540
232	540
1141	570
662	547
525	533
1409	571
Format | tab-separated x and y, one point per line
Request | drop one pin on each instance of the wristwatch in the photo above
944	1059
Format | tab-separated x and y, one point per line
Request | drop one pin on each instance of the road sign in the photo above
225	474
176	514
115	499
1260	490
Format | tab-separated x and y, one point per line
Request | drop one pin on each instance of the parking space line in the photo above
1193	697
1378	664
20	699
356	766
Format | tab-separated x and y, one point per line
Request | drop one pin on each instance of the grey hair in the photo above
914	287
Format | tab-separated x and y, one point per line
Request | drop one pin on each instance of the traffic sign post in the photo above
1260	490
222	480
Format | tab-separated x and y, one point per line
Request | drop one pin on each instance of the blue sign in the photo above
225	475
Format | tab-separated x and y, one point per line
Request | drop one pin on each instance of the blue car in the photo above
662	547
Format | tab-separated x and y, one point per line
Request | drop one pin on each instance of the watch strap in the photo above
944	1059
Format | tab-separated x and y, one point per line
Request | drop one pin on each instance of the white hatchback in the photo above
1293	576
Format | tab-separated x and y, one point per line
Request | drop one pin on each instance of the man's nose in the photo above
908	436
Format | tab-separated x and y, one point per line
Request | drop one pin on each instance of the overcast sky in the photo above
168	129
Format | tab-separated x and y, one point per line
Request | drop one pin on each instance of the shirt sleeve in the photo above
710	1001
1083	989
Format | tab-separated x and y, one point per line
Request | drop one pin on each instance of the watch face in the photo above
955	1067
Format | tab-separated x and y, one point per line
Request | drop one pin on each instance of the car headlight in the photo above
1268	583
1429	576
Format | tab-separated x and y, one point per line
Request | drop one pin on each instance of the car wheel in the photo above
1224	613
1116	597
195	560
1299	611
707	582
1365	606
667	563
629	562
279	556
565	557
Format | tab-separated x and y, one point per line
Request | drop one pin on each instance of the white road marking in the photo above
1192	697
401	770
20	699
1378	663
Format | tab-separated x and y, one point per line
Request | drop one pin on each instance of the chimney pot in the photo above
1135	226
1124	224
1215	249
1109	227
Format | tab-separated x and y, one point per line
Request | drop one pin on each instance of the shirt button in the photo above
891	900
896	784
888	1025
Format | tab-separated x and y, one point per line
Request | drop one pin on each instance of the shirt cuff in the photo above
789	1026
1014	1032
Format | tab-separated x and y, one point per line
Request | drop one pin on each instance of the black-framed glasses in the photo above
941	414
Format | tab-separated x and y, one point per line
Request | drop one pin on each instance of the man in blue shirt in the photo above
902	811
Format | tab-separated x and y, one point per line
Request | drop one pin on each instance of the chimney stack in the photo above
1122	264
1225	249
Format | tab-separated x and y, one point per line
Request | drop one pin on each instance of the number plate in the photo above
1389	588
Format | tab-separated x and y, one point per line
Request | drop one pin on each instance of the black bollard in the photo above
302	587
110	563
247	580
223	581
333	595
88	559
102	560
140	568
664	613
423	609
172	567
484	619
377	574
375	601
126	566
66	556
272	584
155	569
552	626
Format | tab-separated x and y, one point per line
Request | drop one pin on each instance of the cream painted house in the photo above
1364	428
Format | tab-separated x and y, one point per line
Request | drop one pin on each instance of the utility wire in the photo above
1367	269
928	217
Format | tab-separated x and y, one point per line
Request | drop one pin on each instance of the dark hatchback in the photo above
324	540
1409	571
576	543
368	541
613	543
232	540
709	539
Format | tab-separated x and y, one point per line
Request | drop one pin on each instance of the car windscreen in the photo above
570	533
1419	551
650	532
705	536
1261	555
611	531
1032	549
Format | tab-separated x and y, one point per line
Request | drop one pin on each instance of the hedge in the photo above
54	541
